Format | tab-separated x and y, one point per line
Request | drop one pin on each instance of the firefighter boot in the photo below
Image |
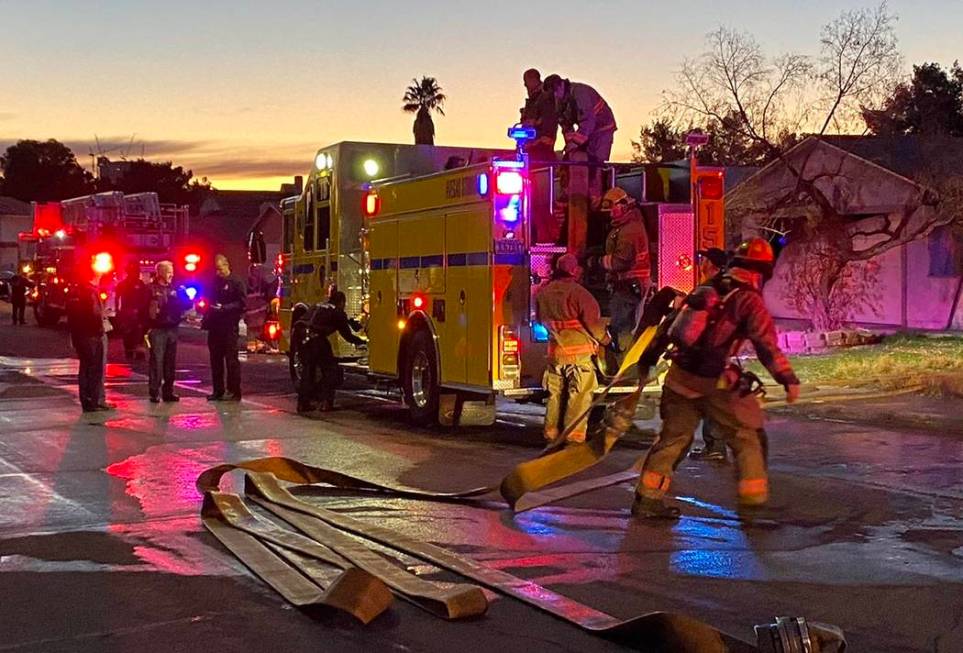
646	508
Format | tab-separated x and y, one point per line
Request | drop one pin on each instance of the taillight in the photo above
509	348
418	301
711	187
371	204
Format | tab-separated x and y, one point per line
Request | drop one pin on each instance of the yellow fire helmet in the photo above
615	196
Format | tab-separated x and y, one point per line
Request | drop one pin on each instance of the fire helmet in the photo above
755	249
615	196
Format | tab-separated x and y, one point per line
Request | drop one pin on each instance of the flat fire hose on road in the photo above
281	558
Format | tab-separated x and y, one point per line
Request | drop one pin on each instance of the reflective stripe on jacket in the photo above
573	320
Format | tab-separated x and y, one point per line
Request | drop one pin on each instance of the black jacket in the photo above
231	295
166	307
18	288
85	311
327	319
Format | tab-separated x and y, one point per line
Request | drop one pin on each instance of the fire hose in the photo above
313	562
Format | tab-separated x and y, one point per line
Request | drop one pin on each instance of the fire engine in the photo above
135	227
441	250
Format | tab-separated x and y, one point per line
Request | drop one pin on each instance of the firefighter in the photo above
165	309
134	296
712	261
19	284
317	355
540	112
221	322
703	383
626	264
575	327
587	121
86	321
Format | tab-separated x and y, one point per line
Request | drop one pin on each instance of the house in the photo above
15	216
902	189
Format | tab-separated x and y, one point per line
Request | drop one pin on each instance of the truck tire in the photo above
45	316
420	379
295	364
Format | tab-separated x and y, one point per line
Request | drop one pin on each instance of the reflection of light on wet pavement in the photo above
195	421
714	548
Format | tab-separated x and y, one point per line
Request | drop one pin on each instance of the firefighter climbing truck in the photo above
135	227
440	252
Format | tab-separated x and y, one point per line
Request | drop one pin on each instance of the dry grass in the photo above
898	362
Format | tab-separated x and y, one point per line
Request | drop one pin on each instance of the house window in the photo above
944	253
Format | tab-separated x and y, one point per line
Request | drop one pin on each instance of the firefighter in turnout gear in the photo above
318	358
587	121
575	327
703	383
626	263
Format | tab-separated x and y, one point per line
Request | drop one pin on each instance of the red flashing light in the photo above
190	262
711	187
103	263
103	296
418	301
371	205
273	330
202	303
509	182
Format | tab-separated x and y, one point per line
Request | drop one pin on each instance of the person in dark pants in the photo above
712	262
134	296
85	319
223	314
324	320
165	309
19	285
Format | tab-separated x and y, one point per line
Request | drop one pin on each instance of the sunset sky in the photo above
244	92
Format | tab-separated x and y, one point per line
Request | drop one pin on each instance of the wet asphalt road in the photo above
101	547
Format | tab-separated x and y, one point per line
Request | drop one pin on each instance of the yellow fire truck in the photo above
440	252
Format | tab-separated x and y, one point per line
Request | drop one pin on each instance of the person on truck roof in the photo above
539	112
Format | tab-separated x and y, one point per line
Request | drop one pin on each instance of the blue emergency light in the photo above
191	292
539	332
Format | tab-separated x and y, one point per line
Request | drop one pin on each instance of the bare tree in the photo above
814	191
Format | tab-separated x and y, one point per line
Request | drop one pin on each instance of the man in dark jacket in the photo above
539	112
133	295
225	309
165	309
323	321
85	320
19	285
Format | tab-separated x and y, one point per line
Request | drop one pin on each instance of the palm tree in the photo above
421	98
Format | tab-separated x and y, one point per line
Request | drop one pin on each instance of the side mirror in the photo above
256	249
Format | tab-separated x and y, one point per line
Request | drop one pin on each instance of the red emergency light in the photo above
102	263
418	301
711	187
272	330
509	182
190	262
371	204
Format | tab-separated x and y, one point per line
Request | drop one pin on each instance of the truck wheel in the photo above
45	316
420	381
295	354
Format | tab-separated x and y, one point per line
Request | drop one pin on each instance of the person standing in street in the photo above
164	312
324	320
19	285
703	383
133	295
712	262
576	330
85	320
226	307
